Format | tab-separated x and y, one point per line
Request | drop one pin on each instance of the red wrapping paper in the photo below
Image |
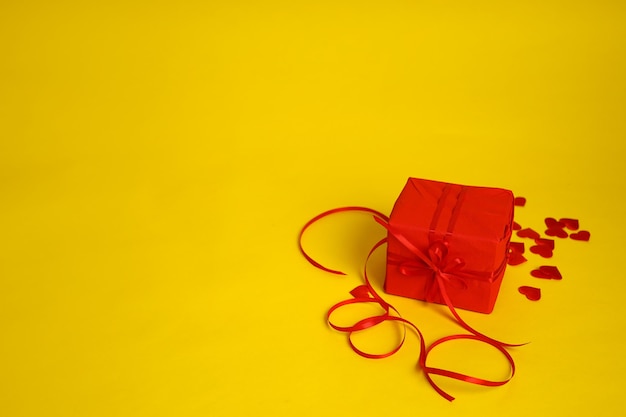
465	232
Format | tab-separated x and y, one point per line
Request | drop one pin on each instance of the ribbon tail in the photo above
431	291
446	299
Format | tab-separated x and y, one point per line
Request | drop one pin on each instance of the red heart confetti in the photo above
515	253
532	293
552	223
555	227
542	247
556	232
571	224
542	250
582	235
547	272
545	242
516	247
516	258
528	233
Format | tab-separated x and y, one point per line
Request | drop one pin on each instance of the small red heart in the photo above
542	250
516	226
528	233
558	232
545	242
553	223
571	224
582	235
519	201
516	247
547	272
515	258
555	227
532	293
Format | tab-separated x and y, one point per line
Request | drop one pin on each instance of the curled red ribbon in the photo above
436	260
377	214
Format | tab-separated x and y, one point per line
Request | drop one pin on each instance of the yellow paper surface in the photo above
157	160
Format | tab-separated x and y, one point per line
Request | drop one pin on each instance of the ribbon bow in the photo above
450	271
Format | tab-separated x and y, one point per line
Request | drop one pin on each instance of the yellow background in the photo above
157	160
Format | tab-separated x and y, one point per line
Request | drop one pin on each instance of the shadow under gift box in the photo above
465	233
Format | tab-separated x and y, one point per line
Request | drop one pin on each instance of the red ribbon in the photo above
443	272
327	213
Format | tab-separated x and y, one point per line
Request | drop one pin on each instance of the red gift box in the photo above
449	235
447	244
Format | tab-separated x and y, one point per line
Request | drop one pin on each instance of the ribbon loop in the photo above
428	371
437	252
320	216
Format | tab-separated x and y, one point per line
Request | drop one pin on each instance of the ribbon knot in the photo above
443	270
436	260
438	251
